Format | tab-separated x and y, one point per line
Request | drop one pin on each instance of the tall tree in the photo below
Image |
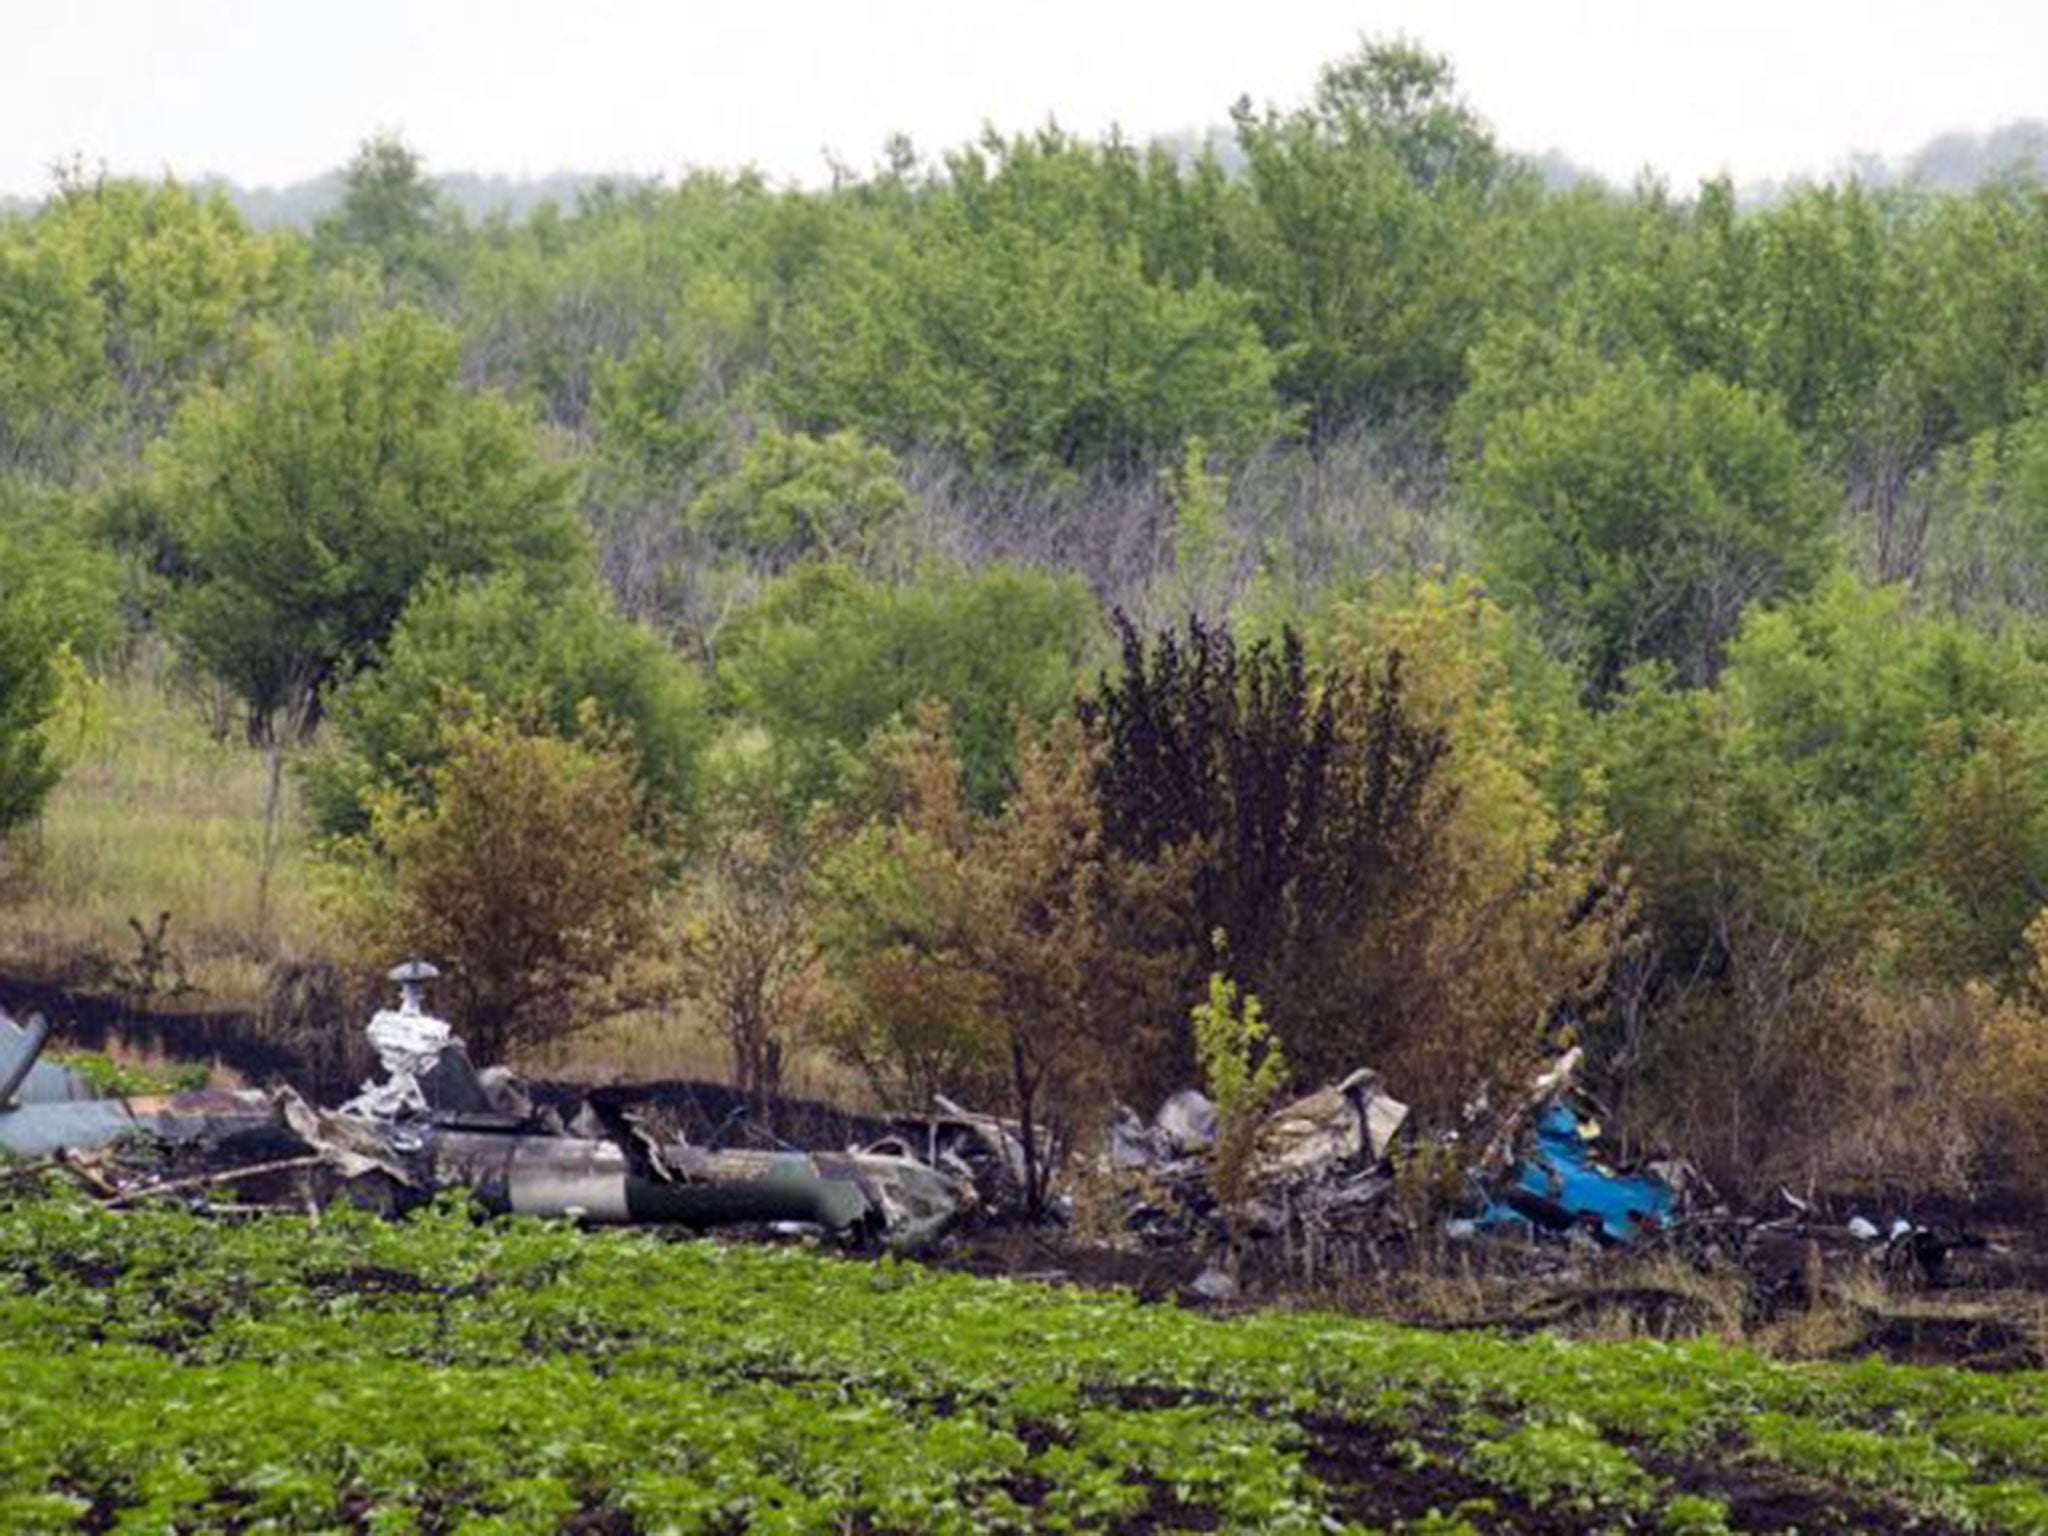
183	290
28	694
1363	245
54	389
390	212
1393	93
1639	516
1015	322
309	499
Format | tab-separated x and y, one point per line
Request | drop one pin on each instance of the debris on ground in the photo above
1559	1186
1324	1171
984	1153
1343	1181
1322	1168
46	1107
432	1122
1335	1130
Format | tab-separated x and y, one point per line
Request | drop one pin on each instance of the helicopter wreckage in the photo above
433	1122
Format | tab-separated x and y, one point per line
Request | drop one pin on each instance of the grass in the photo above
154	815
679	1043
1621	1297
167	1371
157	813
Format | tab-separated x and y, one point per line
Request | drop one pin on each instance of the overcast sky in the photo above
271	91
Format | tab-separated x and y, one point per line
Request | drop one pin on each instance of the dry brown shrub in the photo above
1849	1077
992	954
2010	1097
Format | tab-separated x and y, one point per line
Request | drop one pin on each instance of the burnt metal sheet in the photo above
1559	1185
708	1188
19	1048
1346	1126
49	1083
206	1113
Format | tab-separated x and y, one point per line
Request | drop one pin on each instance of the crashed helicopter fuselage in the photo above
432	1122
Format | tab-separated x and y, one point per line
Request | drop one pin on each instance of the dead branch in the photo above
211	1180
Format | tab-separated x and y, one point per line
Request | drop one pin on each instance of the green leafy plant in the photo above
1243	1071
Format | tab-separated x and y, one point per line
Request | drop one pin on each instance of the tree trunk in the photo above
1024	1084
273	833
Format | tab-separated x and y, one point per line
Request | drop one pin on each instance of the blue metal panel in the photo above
1558	1184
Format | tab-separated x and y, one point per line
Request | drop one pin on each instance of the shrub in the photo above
1498	942
563	657
1639	517
1377	837
828	657
1005	953
1296	803
2013	1081
796	497
749	956
29	689
1243	1071
525	875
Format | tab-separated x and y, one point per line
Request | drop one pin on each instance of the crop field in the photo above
170	1372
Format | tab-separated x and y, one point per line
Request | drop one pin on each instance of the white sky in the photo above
270	91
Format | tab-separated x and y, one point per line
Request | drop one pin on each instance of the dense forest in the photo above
950	622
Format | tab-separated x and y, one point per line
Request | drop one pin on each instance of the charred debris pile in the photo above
1340	1182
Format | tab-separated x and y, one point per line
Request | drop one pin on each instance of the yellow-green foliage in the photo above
1243	1072
1519	912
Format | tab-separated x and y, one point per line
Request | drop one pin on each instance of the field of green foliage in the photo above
167	1372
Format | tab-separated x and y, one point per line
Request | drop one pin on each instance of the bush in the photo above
1498	946
525	876
33	666
1005	953
56	606
28	695
828	657
1639	518
509	646
1387	847
796	497
749	956
2012	1078
1298	802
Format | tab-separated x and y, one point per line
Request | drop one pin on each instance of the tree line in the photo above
964	617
